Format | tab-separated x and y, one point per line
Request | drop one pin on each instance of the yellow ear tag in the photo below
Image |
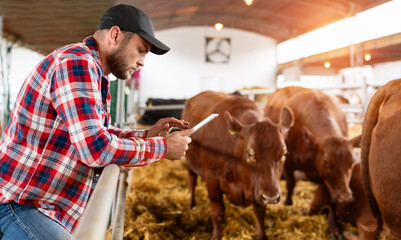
231	132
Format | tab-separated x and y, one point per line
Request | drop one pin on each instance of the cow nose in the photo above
266	199
345	197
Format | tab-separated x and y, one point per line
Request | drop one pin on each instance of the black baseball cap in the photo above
132	19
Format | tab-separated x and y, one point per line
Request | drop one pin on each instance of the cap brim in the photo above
158	47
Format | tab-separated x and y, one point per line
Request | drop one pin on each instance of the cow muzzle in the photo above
267	199
345	197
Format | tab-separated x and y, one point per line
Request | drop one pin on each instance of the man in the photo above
59	136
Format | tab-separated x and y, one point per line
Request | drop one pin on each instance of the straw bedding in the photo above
157	209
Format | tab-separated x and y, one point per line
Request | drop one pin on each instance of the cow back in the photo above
380	154
215	135
313	109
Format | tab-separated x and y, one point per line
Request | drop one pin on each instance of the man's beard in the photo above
117	63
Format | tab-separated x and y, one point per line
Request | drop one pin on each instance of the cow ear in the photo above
356	141
234	127
309	138
286	119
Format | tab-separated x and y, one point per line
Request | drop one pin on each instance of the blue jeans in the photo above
25	222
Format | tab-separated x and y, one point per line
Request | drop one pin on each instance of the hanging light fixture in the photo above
367	57
218	26
248	2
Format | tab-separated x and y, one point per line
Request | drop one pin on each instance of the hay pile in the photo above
157	209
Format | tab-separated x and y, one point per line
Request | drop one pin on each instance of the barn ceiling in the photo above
44	25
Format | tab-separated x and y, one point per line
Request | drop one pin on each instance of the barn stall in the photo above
157	202
157	208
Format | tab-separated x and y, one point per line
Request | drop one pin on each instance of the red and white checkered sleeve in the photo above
127	133
77	98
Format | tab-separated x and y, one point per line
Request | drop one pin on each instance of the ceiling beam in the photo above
369	45
207	18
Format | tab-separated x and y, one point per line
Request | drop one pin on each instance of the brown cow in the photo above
381	155
239	154
356	212
317	143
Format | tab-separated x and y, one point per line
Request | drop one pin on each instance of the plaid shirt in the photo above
60	131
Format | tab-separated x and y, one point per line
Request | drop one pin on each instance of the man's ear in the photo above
115	35
234	127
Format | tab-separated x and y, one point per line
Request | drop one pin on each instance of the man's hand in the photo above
177	144
164	126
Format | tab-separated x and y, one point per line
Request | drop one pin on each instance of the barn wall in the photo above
183	72
378	74
15	68
23	62
386	71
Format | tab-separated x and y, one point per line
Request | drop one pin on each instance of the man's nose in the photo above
141	61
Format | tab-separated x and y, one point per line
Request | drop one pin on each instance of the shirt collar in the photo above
91	44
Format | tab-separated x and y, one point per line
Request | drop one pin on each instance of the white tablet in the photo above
205	121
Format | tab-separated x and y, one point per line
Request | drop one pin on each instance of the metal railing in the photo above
106	206
347	108
119	216
95	220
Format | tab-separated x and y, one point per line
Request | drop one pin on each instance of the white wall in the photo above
183	72
382	73
16	67
24	61
378	74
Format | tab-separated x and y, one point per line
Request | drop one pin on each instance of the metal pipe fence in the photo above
95	220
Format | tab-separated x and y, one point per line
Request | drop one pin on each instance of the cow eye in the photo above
250	155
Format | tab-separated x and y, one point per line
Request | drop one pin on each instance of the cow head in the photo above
334	162
263	154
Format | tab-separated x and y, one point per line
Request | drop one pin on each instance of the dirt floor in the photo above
157	209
